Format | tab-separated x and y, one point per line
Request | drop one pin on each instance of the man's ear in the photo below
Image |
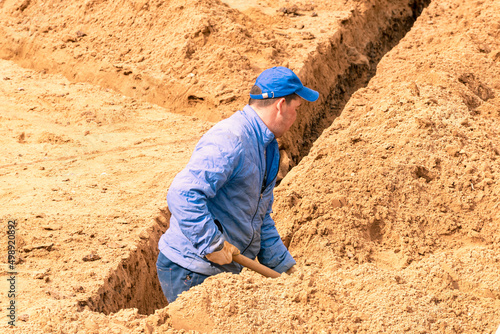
279	104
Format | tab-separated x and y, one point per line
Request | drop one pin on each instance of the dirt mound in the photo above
412	164
439	294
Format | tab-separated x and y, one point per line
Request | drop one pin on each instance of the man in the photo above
222	200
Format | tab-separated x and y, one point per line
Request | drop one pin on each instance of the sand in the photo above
388	194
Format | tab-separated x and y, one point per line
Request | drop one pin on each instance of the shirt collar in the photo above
264	135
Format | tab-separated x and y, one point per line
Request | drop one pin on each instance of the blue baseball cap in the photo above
280	81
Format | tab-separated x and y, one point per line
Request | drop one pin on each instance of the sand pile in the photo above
412	164
446	293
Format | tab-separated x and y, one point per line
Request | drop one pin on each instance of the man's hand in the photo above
225	255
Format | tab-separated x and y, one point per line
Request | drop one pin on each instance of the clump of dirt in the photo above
47	137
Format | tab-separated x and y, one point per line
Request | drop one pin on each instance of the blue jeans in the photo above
175	279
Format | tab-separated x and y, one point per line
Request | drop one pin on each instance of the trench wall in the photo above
134	282
345	64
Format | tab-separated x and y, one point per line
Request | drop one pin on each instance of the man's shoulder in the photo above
227	135
236	126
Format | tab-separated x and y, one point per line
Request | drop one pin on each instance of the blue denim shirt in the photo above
226	193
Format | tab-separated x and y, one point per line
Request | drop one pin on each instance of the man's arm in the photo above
213	162
273	252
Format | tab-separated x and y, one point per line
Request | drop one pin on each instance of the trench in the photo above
338	86
134	284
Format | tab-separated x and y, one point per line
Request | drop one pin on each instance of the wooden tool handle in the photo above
255	266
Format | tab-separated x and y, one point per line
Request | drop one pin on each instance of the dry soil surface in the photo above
393	215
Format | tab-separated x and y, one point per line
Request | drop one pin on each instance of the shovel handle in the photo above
255	266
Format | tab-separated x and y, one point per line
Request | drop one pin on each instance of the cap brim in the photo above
307	94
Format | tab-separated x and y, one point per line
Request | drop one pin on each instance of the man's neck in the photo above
266	115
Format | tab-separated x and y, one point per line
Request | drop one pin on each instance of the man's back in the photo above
224	178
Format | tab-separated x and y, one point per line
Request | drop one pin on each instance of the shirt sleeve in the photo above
273	252
214	160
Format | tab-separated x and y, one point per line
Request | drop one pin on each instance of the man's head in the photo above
280	82
276	95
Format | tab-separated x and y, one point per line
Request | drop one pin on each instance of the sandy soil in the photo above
83	172
200	58
392	214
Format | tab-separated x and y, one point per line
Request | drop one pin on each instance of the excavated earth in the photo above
389	197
